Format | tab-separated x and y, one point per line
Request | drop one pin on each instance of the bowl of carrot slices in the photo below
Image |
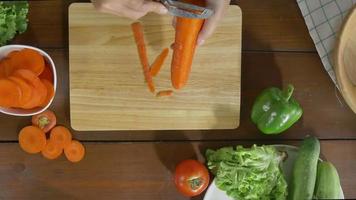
28	80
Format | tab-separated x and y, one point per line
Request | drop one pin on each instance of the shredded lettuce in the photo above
13	19
248	173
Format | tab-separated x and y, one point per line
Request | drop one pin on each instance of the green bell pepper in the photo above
274	111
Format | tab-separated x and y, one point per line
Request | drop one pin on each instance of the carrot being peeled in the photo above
158	63
187	31
140	42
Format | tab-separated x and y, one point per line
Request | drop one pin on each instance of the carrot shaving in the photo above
140	42
158	63
164	93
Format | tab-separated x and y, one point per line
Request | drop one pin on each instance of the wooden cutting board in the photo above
107	88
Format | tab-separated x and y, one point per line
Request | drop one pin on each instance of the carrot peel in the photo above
140	42
158	63
164	93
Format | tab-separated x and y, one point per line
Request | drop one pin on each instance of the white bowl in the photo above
4	50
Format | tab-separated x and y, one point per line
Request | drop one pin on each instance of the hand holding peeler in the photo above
187	10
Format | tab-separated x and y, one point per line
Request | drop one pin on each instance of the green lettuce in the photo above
13	19
248	173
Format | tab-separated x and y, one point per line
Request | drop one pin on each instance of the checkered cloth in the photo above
324	19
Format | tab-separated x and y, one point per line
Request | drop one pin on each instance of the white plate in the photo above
214	193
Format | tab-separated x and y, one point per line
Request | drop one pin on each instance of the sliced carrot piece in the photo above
75	151
32	139
140	42
45	120
52	150
47	73
61	135
50	92
2	71
10	94
7	67
39	89
158	63
26	90
164	93
27	59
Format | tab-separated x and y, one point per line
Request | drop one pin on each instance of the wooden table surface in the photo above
127	165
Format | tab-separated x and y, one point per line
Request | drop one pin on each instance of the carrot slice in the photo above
39	89
140	42
75	151
164	93
32	139
157	64
2	71
50	92
47	73
7	68
27	59
52	150
26	90
61	135
10	94
45	120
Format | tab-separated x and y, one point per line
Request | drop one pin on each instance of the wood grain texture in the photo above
107	89
326	114
128	171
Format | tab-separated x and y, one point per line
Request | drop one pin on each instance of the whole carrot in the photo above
187	31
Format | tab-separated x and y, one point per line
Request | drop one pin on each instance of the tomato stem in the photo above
42	122
195	183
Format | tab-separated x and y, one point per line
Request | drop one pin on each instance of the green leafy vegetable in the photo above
248	173
13	19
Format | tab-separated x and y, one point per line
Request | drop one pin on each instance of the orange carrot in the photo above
164	93
39	94
52	150
50	92
75	151
2	71
7	67
10	94
157	64
140	42
27	59
187	31
26	90
47	73
61	135
32	139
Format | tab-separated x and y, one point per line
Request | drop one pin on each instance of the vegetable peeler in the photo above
187	10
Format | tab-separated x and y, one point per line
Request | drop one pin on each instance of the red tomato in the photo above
191	177
45	120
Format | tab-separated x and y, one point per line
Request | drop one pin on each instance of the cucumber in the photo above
327	184
304	170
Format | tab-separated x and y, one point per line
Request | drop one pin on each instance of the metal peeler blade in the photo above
181	9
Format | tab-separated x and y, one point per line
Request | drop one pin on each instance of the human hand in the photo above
210	24
133	9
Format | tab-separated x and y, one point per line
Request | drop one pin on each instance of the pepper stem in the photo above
287	93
